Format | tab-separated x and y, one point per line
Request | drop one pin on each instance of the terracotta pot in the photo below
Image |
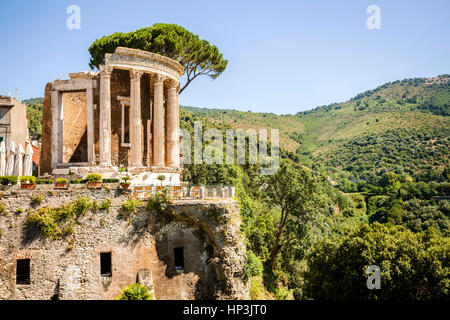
27	186
61	185
124	185
94	184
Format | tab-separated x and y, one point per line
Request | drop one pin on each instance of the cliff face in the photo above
193	251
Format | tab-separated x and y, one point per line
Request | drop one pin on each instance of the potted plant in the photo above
161	178
61	183
27	182
125	183
94	181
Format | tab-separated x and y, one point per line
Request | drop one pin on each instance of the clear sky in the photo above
284	56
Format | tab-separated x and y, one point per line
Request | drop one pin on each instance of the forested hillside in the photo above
34	117
401	126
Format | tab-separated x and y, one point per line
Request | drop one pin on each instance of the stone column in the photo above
105	115
90	122
158	122
172	155
56	147
135	116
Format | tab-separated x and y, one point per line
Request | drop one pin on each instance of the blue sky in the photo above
284	56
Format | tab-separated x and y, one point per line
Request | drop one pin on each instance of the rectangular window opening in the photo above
105	264
23	271
179	258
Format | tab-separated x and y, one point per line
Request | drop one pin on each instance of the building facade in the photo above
13	123
126	115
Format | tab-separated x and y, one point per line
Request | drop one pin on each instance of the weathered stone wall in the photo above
75	126
141	248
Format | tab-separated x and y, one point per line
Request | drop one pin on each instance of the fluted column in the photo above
105	115
136	121
158	122
172	155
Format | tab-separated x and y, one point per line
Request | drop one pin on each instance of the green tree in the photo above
413	265
197	56
293	190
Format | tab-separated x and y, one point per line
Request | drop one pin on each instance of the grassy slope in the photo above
415	105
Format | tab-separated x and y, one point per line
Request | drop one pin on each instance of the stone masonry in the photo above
142	249
125	115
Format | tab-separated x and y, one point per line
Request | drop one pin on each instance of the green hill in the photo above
34	116
402	126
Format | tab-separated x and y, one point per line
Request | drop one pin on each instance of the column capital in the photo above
158	78
136	74
105	71
172	84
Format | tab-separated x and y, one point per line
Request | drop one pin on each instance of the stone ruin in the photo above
124	116
196	252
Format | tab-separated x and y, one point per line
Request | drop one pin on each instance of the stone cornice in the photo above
128	59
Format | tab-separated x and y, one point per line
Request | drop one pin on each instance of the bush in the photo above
57	222
61	180
257	290
44	181
38	199
27	179
78	181
254	266
110	180
94	177
7	180
128	207
136	292
2	208
159	201
106	205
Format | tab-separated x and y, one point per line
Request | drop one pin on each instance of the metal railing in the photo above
179	192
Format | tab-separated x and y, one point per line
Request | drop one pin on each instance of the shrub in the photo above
59	221
44	181
106	205
136	292
94	177
27	179
254	266
81	206
159	202
7	180
2	208
61	180
37	199
128	207
110	180
78	181
257	290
